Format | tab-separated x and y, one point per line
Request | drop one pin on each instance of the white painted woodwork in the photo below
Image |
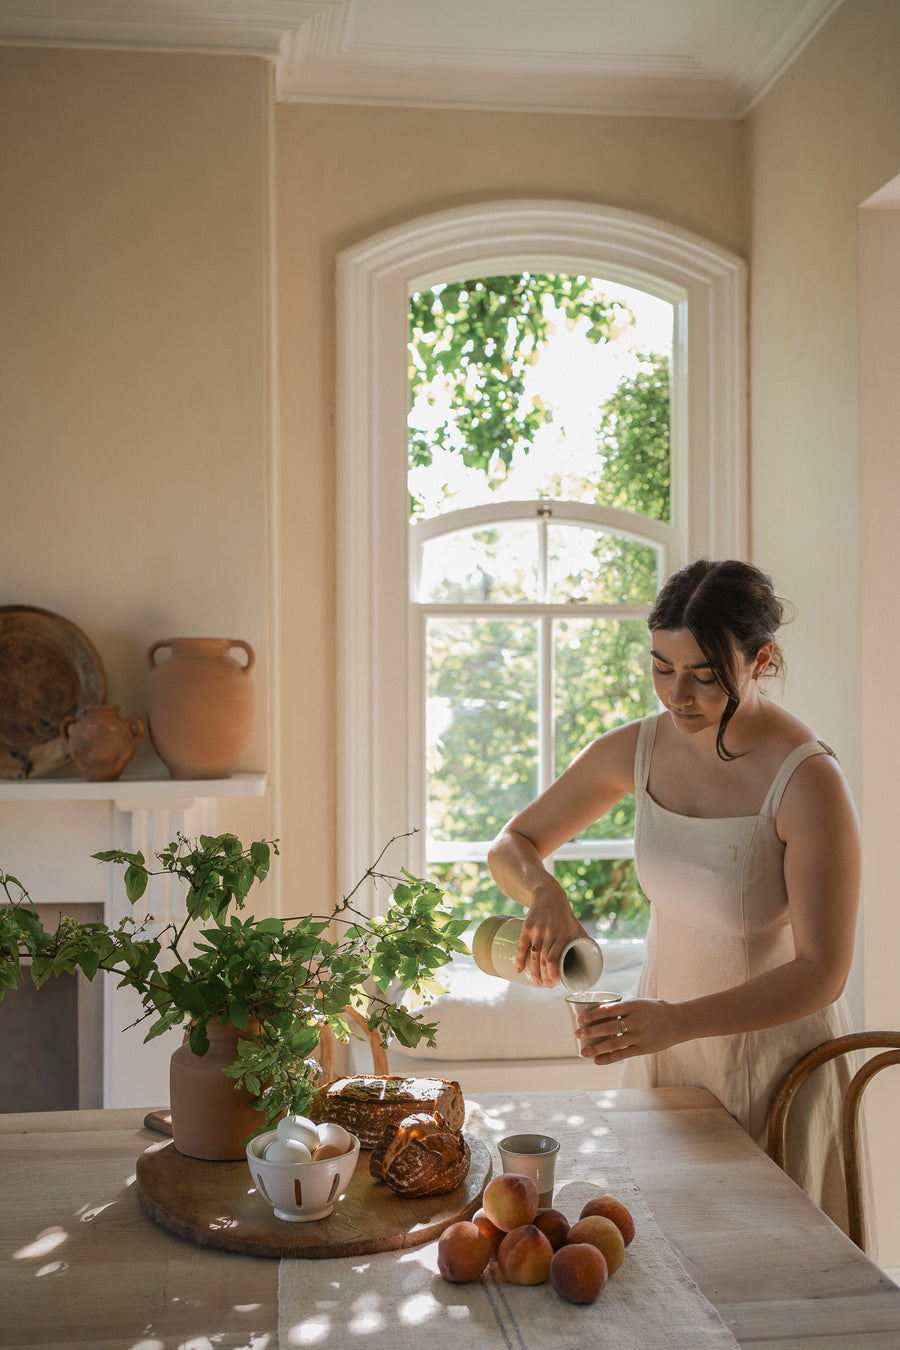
380	714
706	58
131	814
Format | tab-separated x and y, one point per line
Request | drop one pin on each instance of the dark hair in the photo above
721	604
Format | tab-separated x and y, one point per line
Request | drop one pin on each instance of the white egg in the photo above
331	1133
298	1127
288	1151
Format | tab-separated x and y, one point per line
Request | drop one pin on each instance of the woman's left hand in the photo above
611	1032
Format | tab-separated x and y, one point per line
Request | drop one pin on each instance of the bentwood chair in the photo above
781	1104
326	1047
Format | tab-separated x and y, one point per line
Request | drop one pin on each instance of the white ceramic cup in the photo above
299	1192
580	1002
532	1155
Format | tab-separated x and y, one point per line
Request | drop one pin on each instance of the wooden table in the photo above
83	1265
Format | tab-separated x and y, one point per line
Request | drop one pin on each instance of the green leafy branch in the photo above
279	980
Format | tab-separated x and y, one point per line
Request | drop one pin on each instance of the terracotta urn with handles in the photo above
101	742
200	704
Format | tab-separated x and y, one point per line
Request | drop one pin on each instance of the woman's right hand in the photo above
548	928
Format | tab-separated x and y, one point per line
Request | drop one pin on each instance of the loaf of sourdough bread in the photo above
366	1104
421	1155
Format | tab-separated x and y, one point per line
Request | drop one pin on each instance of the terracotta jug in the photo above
101	742
210	1115
200	705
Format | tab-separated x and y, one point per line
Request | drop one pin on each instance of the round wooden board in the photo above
216	1205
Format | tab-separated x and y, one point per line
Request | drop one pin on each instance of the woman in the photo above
747	845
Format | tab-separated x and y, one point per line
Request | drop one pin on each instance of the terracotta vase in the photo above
101	742
200	705
210	1115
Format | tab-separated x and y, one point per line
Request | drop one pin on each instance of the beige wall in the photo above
135	360
345	173
824	140
134	246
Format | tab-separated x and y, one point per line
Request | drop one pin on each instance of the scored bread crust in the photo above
366	1103
421	1155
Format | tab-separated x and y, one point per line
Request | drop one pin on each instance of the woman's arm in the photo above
591	785
818	824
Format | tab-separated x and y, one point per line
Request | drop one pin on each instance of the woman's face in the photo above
685	683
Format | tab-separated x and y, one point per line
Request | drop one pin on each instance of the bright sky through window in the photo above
572	376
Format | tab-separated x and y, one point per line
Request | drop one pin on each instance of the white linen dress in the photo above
719	917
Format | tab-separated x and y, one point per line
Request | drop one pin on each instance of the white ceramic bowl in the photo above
300	1192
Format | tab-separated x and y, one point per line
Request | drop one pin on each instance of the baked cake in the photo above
366	1104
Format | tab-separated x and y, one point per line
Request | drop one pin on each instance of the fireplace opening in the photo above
52	1037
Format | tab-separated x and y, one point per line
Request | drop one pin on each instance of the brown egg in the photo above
326	1151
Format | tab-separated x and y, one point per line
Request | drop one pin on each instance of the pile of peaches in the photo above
531	1245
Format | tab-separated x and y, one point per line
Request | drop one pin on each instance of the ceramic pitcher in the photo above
101	742
494	946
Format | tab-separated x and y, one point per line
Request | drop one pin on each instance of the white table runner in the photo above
397	1299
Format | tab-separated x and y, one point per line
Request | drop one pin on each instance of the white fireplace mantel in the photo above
131	794
147	813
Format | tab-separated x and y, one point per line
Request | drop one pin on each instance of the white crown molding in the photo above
699	58
265	28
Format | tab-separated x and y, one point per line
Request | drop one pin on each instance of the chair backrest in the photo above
326	1047
781	1104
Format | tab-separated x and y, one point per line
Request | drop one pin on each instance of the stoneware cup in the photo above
299	1192
580	1002
532	1155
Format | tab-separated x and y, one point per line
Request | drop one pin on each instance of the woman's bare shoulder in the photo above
614	750
817	789
789	729
783	733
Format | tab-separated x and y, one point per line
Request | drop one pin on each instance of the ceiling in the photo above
694	58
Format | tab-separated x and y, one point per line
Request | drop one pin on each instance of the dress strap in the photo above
643	752
783	777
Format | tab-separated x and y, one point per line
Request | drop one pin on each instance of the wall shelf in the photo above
148	790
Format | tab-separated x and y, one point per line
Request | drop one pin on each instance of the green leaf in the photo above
199	1038
136	878
89	962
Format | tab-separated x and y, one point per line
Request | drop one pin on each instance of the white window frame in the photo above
380	711
609	519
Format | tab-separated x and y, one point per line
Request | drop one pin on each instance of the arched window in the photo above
393	601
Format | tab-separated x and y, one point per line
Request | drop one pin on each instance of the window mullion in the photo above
546	753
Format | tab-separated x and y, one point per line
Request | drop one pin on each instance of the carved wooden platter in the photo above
217	1205
49	670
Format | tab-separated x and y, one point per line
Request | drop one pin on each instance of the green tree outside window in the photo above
474	347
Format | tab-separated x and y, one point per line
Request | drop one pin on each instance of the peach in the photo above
510	1200
493	1234
613	1209
463	1252
554	1224
578	1272
603	1234
524	1255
